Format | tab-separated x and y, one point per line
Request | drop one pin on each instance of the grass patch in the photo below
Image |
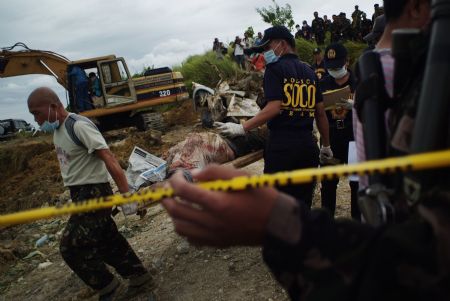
305	49
207	69
354	51
14	158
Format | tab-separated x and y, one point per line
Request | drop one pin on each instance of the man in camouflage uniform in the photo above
327	24
335	29
356	23
346	27
90	240
306	31
378	11
318	29
366	25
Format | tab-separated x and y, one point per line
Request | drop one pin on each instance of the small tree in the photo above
250	32
276	15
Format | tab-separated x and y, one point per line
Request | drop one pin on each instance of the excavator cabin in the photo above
101	88
99	83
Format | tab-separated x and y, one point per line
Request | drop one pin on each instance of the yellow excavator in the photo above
101	88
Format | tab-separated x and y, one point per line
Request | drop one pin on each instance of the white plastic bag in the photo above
143	167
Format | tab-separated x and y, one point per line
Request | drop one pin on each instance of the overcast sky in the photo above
144	32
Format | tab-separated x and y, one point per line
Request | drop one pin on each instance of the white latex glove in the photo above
230	129
325	154
346	104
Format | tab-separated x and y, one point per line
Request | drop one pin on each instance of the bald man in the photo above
90	240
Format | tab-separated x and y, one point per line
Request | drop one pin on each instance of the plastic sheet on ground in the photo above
238	98
242	107
143	168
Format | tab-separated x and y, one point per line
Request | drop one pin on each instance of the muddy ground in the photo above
30	178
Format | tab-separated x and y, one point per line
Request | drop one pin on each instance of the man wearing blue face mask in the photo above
340	122
293	102
90	239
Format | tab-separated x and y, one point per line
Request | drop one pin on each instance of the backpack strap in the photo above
70	124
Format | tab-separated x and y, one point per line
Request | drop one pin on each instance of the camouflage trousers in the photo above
91	240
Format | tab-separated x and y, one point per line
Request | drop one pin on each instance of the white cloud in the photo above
48	81
167	53
12	86
14	93
24	82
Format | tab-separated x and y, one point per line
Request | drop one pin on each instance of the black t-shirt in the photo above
328	83
296	85
320	70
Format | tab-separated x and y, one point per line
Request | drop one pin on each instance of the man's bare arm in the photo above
322	124
114	169
271	110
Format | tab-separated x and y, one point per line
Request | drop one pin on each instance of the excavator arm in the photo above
29	61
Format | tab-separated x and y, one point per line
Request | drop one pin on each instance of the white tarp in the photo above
242	107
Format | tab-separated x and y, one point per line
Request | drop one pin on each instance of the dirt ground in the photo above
30	178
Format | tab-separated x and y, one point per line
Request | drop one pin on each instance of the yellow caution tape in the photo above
432	160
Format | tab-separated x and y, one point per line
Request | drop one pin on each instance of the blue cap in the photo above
277	32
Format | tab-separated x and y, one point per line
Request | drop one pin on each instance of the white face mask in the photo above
50	127
270	56
338	73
